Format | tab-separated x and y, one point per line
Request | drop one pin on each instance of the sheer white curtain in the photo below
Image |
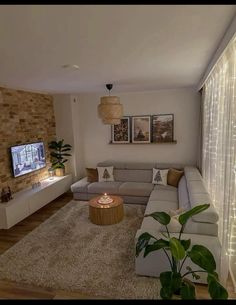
219	148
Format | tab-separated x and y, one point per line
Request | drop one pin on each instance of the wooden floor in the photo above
10	290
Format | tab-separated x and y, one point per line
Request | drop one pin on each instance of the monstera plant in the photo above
58	154
178	251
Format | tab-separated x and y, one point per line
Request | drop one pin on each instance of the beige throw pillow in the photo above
92	174
174	176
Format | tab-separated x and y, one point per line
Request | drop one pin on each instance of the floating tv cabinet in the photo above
28	201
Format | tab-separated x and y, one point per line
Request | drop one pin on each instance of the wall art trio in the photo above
144	129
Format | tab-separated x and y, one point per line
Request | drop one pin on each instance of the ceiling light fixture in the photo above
110	110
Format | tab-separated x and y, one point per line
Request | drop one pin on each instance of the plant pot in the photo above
60	172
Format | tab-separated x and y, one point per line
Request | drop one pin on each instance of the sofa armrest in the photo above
80	186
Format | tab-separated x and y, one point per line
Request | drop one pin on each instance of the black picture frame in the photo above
163	128
121	133
141	129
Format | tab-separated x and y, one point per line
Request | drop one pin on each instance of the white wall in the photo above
64	126
229	34
94	135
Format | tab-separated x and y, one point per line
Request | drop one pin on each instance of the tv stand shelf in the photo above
28	201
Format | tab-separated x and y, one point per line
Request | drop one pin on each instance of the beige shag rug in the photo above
68	252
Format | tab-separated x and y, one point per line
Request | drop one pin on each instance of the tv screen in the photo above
27	158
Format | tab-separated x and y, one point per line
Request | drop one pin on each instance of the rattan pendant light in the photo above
110	110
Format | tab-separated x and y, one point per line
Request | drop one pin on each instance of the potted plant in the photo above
178	250
57	156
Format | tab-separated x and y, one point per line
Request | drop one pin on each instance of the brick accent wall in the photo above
24	117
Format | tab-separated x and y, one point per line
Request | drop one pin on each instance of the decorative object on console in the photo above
92	174
51	173
110	110
162	128
174	177
121	133
105	174
6	194
177	250
36	184
57	156
159	176
141	129
105	199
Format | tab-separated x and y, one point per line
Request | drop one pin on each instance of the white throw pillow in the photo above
105	174
159	176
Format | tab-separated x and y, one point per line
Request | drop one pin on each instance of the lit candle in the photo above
105	194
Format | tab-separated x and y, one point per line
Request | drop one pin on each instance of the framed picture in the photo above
141	129
121	133
162	128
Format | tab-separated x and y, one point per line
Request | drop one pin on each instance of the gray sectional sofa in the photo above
133	182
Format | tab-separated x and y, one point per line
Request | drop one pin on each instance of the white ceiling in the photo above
135	47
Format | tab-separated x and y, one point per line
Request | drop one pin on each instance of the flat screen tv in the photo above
27	158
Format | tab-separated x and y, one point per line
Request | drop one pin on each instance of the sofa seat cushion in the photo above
135	188
80	186
164	195
110	187
160	206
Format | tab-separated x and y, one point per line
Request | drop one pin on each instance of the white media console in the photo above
28	201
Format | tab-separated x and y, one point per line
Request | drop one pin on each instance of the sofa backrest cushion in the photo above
183	196
198	194
136	171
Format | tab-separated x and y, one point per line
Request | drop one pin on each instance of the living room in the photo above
158	65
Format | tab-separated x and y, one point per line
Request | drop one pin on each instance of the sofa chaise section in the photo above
201	230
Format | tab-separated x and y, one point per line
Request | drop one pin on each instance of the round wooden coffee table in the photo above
106	214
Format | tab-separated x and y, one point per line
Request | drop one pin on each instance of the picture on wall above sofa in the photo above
157	128
141	129
162	127
121	132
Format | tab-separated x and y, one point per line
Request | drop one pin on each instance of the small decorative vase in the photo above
60	172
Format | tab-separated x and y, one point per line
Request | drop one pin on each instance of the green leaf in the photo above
202	257
66	149
170	282
162	217
142	242
64	161
183	218
65	154
66	145
187	291
166	289
54	154
60	143
165	278
177	250
166	293
157	245
185	243
215	289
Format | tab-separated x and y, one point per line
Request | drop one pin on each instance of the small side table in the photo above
106	214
